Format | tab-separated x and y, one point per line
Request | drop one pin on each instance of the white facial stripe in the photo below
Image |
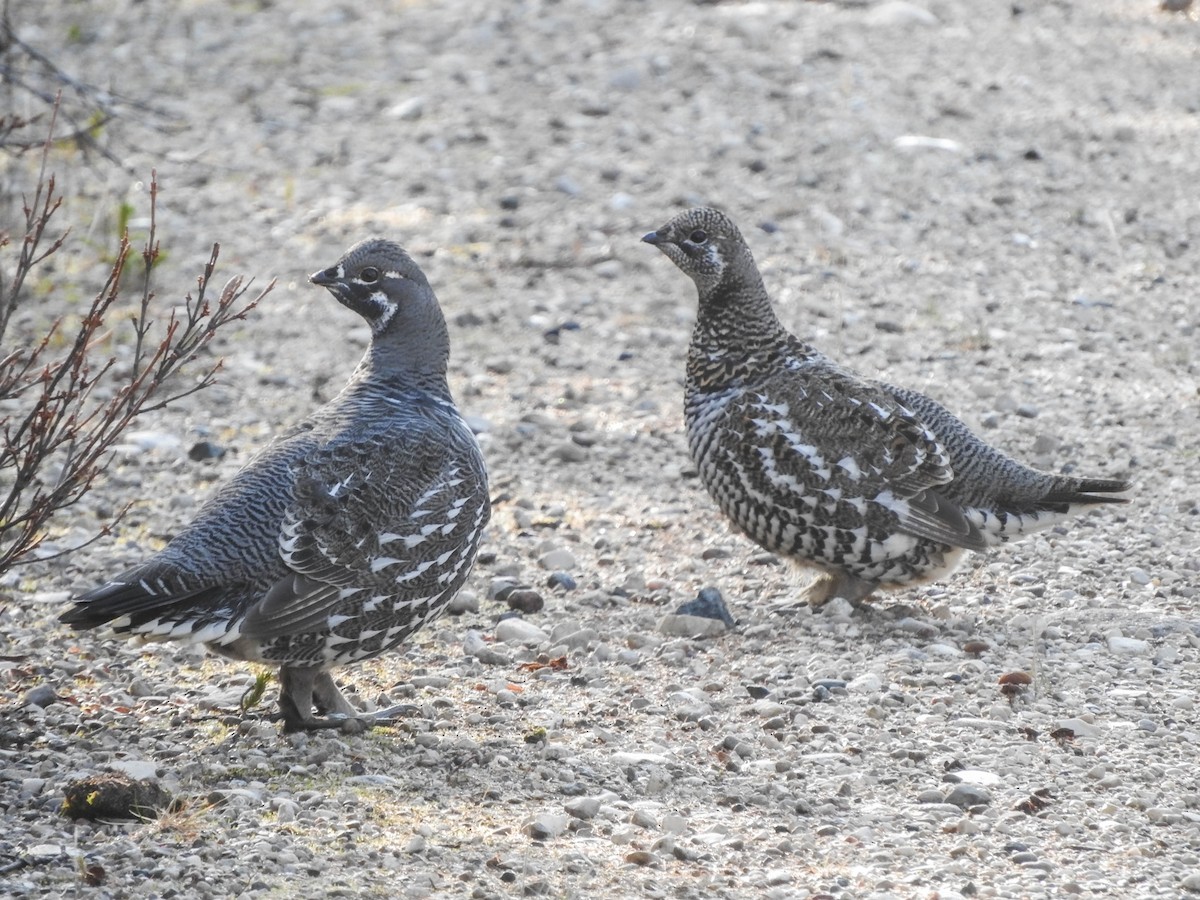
386	308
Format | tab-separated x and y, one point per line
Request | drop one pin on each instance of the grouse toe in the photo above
869	484
344	535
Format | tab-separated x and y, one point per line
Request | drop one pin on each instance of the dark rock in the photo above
525	600
709	605
561	581
42	695
203	450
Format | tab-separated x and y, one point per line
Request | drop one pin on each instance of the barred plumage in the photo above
870	484
347	533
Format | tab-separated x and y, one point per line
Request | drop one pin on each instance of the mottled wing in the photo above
848	442
376	525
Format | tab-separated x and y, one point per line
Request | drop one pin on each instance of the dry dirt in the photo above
994	203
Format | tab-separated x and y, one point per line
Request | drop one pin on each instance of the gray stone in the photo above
583	807
516	630
691	626
965	796
561	559
41	696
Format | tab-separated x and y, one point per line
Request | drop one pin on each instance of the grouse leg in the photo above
827	585
301	687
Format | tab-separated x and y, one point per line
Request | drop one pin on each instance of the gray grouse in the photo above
344	535
871	485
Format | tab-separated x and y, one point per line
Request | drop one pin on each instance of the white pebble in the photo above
517	631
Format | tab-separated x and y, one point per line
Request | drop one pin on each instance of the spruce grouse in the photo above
343	536
872	485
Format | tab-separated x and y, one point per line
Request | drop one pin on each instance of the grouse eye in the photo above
699	236
369	275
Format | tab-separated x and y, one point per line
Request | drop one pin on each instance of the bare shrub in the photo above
64	404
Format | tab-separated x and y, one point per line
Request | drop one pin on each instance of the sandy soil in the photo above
994	203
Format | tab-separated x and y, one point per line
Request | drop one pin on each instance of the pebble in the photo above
1126	646
583	807
547	825
569	452
1191	882
516	630
137	769
205	450
690	626
965	796
898	14
869	683
577	640
41	696
1139	576
709	604
464	601
558	559
407	110
474	645
524	600
561	581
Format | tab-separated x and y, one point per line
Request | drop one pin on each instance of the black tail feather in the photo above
131	598
1081	491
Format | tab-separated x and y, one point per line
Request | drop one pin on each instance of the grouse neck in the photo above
393	372
737	315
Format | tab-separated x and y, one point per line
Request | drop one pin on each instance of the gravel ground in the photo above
994	203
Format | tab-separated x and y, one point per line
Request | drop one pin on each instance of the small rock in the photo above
558	559
525	600
41	696
205	450
569	452
869	683
691	626
1191	882
643	818
577	640
1127	646
561	581
137	769
1139	576
463	602
709	605
516	630
583	807
546	826
673	823
474	645
286	811
408	110
896	13
965	796
568	186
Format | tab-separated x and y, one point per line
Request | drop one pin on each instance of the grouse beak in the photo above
325	278
654	238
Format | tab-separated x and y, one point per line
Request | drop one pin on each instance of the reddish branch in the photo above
72	408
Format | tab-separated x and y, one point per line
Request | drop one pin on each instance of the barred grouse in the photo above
872	485
343	536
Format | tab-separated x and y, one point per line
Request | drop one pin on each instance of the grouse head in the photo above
708	247
378	280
